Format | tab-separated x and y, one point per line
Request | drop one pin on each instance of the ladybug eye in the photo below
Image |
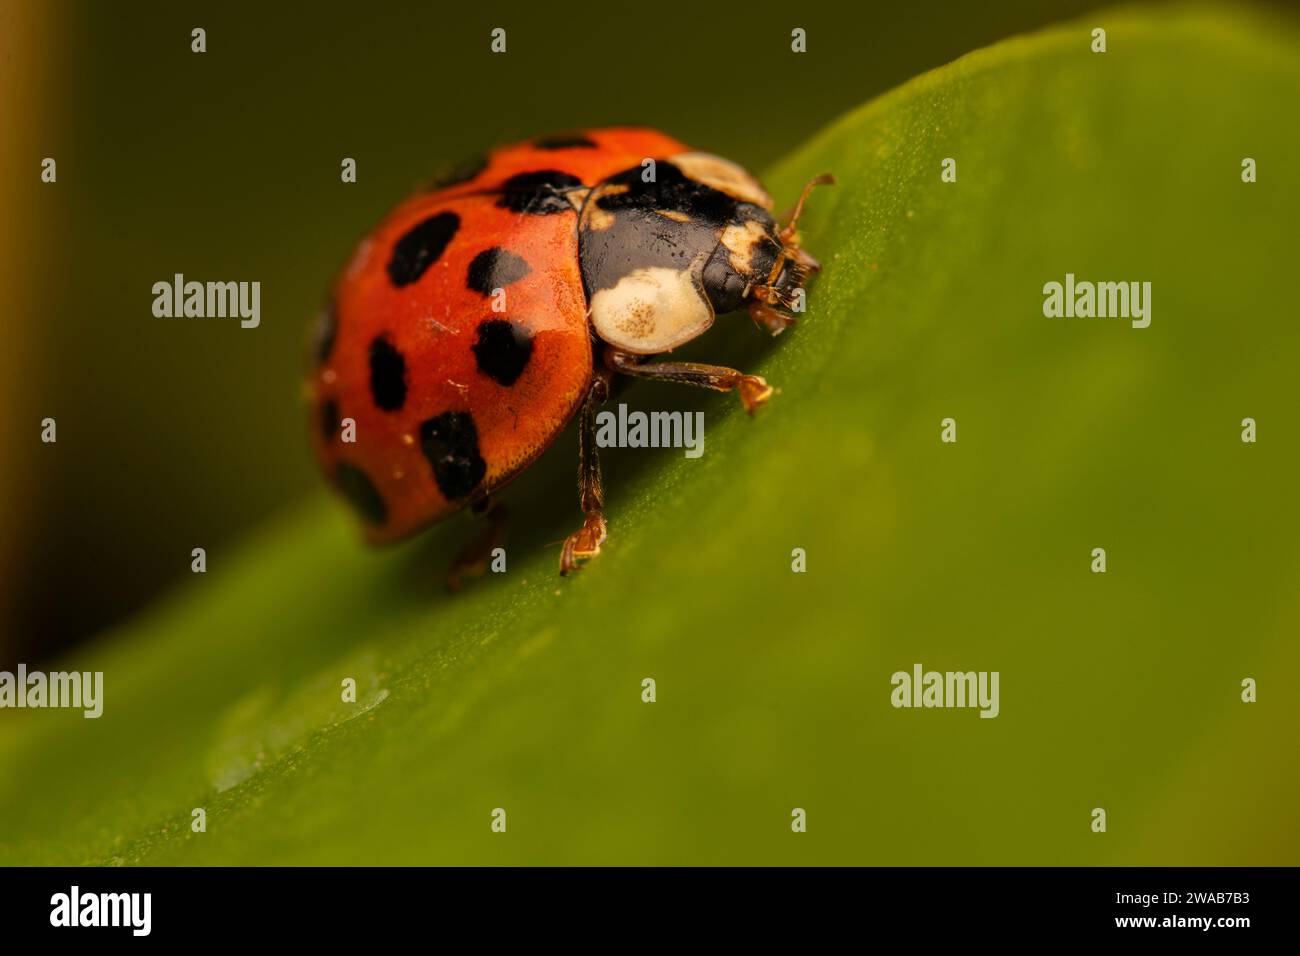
724	286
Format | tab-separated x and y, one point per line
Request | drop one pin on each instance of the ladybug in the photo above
485	312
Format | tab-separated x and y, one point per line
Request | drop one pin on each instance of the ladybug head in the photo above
760	266
662	254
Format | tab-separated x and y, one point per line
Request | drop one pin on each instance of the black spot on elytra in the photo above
567	141
361	493
421	247
495	268
329	419
539	193
327	330
503	350
457	173
387	375
450	443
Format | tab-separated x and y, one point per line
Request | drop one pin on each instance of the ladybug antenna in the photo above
788	232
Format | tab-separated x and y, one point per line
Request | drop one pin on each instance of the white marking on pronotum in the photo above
651	310
722	175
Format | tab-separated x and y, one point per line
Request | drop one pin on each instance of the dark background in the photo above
175	434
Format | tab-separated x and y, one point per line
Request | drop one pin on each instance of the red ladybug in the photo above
479	317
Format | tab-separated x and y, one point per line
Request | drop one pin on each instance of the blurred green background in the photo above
175	435
1118	690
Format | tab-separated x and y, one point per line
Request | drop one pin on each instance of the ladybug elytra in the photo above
479	317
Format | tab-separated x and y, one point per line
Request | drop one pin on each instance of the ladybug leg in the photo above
769	318
585	543
472	561
753	389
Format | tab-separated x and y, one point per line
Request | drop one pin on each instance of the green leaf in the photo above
1117	690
